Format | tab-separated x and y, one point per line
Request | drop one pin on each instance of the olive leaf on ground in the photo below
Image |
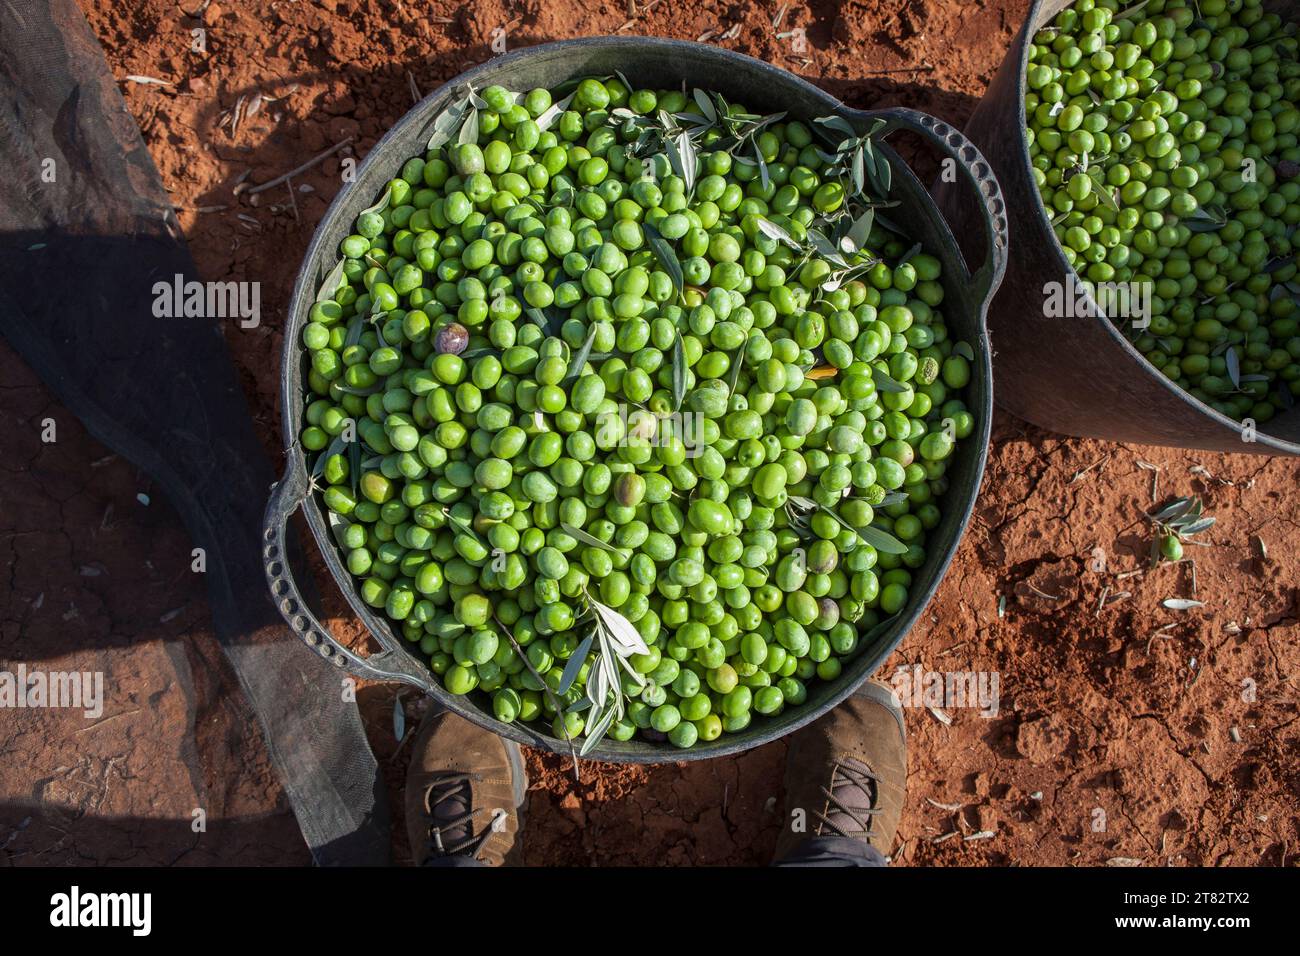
1181	519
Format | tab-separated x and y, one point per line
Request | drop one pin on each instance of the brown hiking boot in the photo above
463	792
847	772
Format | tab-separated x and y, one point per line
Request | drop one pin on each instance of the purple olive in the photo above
451	339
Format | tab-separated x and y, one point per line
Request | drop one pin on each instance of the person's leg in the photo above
832	851
450	861
464	791
845	780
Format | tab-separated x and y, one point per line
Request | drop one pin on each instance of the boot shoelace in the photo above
449	786
847	776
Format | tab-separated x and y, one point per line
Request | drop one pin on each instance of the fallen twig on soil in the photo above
1100	461
320	157
1160	635
1155	477
950	807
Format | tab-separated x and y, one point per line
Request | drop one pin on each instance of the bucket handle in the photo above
953	144
287	496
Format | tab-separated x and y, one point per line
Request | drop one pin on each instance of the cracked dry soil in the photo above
1127	733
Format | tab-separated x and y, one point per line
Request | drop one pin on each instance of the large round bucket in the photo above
654	63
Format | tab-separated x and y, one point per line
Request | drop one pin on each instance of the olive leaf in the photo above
855	158
706	105
596	732
737	362
964	350
880	540
355	327
881	172
679	372
824	247
626	639
579	360
589	539
1206	219
856	237
399	718
773	231
380	206
880	628
886	383
764	175
1104	190
461	525
681	156
354	464
546	321
333	282
837	123
907	256
336	447
1131	11
574	665
546	688
469	129
1234	368
616	640
1196	527
665	256
553	112
1172	511
1181	604
447	122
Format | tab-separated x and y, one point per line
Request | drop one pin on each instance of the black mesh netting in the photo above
80	258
